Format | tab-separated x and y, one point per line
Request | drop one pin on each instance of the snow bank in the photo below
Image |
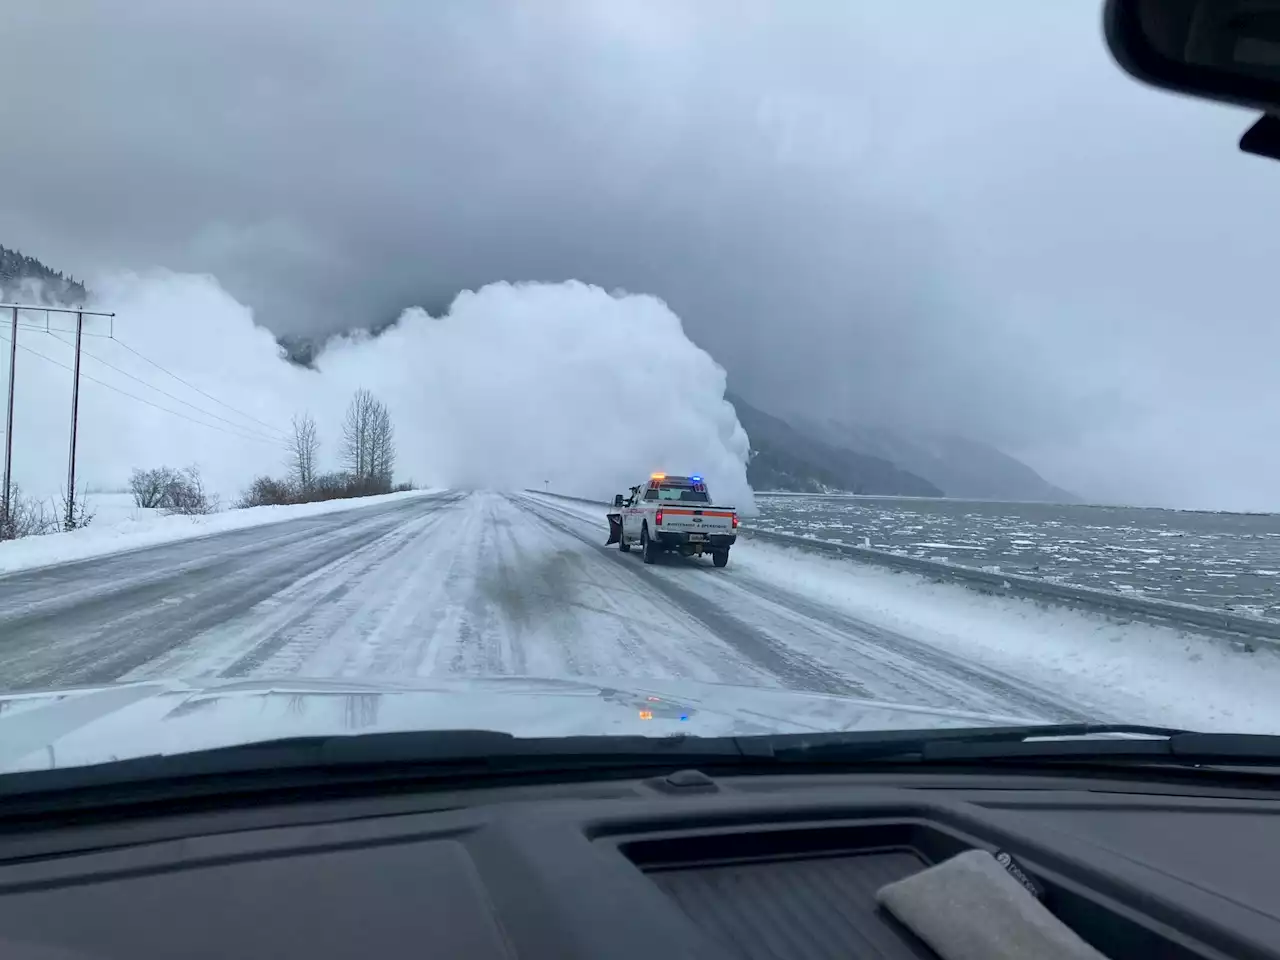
514	386
1130	672
117	528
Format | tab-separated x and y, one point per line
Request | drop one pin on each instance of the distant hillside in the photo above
303	349
26	278
962	468
783	458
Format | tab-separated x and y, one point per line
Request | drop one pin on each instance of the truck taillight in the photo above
735	521
657	517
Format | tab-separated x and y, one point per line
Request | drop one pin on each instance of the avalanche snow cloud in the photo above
516	385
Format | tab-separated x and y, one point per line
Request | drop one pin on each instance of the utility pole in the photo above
8	426
75	416
547	484
7	503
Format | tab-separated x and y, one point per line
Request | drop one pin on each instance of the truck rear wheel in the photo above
720	557
648	552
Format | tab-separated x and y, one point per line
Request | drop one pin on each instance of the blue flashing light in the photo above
696	479
684	716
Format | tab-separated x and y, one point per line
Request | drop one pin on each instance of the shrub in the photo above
186	495
149	486
172	491
267	492
26	517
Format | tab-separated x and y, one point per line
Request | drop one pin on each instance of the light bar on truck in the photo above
657	476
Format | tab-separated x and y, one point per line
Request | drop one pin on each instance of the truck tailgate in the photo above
696	520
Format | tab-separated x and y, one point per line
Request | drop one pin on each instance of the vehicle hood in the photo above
77	726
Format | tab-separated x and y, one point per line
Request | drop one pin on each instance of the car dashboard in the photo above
679	865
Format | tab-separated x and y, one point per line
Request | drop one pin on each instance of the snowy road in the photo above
460	584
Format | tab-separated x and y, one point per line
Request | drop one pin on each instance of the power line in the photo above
39	329
239	426
193	386
125	393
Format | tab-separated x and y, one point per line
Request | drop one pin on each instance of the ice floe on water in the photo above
1230	561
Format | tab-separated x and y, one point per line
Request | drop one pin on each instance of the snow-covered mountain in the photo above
27	279
958	466
784	458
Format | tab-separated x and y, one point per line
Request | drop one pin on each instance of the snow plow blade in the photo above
615	528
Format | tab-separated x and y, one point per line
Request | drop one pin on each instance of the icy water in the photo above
1224	560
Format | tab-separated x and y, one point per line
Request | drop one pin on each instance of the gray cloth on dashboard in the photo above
970	908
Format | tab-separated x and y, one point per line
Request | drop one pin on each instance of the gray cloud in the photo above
957	216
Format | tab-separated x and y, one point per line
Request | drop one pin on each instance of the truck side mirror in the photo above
617	499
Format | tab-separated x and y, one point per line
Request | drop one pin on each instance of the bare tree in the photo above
357	432
303	452
382	447
368	441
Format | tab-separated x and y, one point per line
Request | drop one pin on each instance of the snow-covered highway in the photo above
463	584
455	584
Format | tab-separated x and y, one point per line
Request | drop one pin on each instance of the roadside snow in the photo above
112	508
118	526
1131	672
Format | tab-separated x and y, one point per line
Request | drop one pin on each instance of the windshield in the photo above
683	494
332	350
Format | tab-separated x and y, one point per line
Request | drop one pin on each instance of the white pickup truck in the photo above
672	514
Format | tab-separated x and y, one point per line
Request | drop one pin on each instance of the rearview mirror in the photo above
1226	50
617	499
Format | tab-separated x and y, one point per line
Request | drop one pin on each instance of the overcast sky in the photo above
950	215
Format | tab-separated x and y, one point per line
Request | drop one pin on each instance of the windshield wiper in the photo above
496	749
1186	749
368	758
473	756
914	744
1036	742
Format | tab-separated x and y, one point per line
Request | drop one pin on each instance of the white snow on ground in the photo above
1131	671
1139	672
118	526
482	585
115	507
463	586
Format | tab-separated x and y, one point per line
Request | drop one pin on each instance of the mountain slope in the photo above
783	458
26	278
961	467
